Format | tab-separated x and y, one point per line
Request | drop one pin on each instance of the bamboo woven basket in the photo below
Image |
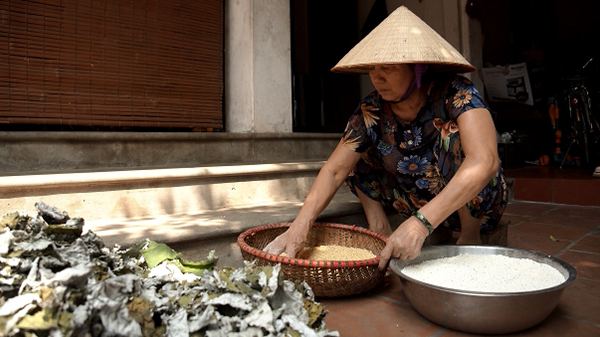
326	278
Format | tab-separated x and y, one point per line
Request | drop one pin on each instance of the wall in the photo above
258	56
257	66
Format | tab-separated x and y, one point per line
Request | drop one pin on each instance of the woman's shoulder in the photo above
372	98
449	85
462	83
370	106
454	94
451	80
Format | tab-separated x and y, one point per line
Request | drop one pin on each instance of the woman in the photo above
423	143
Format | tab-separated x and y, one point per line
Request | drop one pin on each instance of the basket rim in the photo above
241	241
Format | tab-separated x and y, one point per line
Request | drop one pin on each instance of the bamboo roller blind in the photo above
140	63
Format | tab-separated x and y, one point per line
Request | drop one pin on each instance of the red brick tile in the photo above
553	326
368	316
385	311
581	300
588	244
538	244
535	229
392	289
514	219
577	192
557	326
579	211
550	172
528	189
454	333
587	265
567	219
527	208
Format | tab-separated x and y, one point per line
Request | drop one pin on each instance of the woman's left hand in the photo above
405	243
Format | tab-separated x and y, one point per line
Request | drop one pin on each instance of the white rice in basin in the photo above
486	273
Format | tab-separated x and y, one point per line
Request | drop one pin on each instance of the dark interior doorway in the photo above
555	38
322	33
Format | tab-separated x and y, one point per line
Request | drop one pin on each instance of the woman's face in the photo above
391	81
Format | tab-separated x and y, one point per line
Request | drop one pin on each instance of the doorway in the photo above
322	33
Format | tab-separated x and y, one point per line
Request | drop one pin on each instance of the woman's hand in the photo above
328	181
405	243
290	242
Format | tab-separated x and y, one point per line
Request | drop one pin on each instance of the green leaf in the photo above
253	275
197	268
9	220
155	253
135	250
41	320
230	285
64	321
3	321
314	311
210	262
184	301
291	332
245	289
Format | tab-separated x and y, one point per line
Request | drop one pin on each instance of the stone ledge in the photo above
44	181
145	136
210	225
60	151
156	192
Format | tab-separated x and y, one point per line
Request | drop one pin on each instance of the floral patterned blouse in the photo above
405	164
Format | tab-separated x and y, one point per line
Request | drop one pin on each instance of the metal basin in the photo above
482	312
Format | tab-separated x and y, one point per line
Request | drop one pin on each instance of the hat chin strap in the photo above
416	82
408	92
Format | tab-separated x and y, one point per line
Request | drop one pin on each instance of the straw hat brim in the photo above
436	67
403	38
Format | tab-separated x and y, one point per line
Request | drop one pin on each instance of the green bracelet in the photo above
424	221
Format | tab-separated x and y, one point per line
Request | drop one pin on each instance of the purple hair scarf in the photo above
419	71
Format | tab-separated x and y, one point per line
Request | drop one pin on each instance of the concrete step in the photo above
138	193
194	210
194	191
195	234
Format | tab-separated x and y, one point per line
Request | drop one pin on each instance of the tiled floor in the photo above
386	312
570	186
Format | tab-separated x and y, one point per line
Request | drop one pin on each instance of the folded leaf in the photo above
155	253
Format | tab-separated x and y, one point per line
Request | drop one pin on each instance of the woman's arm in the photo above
478	140
328	181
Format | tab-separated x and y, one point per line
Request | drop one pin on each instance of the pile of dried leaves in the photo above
56	281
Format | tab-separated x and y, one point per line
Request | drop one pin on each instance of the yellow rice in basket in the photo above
334	253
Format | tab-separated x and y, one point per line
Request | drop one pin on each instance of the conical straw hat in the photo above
403	38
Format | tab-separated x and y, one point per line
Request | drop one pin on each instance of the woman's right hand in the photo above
405	243
290	242
328	181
